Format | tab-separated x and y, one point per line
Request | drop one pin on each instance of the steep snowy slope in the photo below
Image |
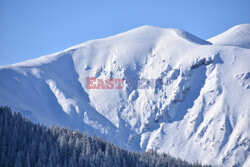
196	105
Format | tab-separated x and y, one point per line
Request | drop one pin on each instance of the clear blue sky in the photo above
33	28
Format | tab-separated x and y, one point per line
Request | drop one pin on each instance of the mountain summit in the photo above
236	36
197	107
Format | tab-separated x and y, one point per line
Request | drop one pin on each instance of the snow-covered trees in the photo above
23	143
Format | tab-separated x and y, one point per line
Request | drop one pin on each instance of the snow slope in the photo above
235	36
197	109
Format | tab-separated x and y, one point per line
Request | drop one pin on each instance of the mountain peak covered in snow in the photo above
197	109
236	36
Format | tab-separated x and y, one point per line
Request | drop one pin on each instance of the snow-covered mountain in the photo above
198	107
236	36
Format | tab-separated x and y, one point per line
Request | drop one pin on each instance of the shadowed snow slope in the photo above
197	108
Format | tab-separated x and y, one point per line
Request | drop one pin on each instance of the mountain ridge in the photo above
235	36
141	30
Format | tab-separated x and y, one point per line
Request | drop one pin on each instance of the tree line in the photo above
26	144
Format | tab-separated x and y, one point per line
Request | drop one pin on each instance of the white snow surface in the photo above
198	109
235	36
